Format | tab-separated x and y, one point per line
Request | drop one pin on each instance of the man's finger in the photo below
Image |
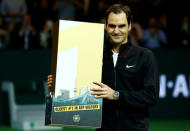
50	79
98	93
50	82
49	85
97	89
50	76
99	84
101	96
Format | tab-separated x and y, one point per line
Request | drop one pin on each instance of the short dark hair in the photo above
117	9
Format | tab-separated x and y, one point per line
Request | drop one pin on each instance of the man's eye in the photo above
121	26
112	26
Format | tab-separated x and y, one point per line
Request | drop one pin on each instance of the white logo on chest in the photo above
129	66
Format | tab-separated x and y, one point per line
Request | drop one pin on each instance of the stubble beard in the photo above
118	41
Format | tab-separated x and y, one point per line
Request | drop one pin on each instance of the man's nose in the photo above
116	30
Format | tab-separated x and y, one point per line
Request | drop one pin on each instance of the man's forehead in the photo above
119	18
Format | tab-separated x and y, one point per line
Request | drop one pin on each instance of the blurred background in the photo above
26	35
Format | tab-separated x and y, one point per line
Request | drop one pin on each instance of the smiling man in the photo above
129	79
117	28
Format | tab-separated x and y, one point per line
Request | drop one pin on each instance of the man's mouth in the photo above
116	36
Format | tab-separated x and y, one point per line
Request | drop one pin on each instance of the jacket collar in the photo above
123	51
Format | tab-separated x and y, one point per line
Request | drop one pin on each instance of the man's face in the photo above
117	28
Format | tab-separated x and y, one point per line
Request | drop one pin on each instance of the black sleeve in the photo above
149	93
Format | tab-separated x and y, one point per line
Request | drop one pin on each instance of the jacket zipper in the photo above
115	82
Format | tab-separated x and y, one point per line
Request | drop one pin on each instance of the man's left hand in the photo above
103	92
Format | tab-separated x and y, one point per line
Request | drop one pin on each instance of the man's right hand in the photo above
50	83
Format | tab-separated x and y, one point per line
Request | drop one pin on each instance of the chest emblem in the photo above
129	66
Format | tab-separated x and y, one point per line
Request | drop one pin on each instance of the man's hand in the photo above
50	83
103	92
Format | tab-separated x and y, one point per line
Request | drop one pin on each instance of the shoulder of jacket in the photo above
142	50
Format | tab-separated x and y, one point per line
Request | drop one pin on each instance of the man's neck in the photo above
116	46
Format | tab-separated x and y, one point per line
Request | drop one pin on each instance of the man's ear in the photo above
129	27
105	25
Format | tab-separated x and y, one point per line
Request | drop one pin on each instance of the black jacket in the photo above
136	78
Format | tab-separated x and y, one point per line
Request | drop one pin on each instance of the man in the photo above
154	37
13	10
129	78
